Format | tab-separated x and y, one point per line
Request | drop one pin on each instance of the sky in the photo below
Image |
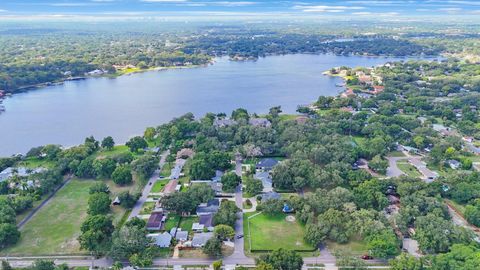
301	8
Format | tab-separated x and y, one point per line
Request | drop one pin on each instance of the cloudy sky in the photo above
357	8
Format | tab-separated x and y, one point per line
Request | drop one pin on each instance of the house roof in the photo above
267	163
161	239
197	226
259	122
200	239
156	220
170	187
205	209
206	220
182	236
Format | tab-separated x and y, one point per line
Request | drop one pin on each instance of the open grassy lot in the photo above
34	163
273	232
396	154
353	248
55	228
159	185
408	168
167	169
147	208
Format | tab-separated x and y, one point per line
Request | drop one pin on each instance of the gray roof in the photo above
20	171
200	239
225	122
206	220
259	122
265	178
181	236
161	239
267	163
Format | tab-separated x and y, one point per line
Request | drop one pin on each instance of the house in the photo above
468	139
197	227
266	180
206	220
266	164
454	164
271	196
181	236
348	93
200	239
211	207
20	171
162	240
156	221
410	149
259	122
377	89
224	122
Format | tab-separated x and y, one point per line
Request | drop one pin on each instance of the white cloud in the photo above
232	3
330	9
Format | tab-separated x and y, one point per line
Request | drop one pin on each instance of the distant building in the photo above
259	122
224	122
454	164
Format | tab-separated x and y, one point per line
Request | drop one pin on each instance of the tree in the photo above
435	234
122	175
213	247
99	204
6	265
217	265
128	200
127	241
144	166
282	259
227	214
9	234
406	262
104	167
96	234
230	182
108	143
91	144
224	232
378	164
99	187
43	265
85	169
350	262
200	169
143	259
149	133
240	113
271	207
253	186
264	266
383	245
136	143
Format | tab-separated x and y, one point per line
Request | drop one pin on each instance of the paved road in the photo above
146	190
45	202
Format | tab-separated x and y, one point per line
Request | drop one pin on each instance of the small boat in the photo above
339	84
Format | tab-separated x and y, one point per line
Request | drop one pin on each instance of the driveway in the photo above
393	170
146	190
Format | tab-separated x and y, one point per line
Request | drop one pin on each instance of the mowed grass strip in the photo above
273	232
55	228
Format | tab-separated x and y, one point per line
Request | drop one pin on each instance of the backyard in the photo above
273	232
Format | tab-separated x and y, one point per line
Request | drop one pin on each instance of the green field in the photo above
273	232
159	185
55	228
409	169
353	248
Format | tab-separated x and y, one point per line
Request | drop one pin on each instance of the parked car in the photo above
239	236
367	257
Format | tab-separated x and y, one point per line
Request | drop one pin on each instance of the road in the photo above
148	187
393	170
45	202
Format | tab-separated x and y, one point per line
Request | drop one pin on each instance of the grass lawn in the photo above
408	168
21	216
353	248
34	163
55	228
159	185
172	221
187	222
269	233
396	154
147	208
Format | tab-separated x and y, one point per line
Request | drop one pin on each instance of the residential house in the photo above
200	239
266	164
211	207
259	122
224	122
157	220
162	240
206	220
181	236
377	89
454	164
170	187
197	227
176	171
20	171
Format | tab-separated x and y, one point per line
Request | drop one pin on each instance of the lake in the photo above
122	107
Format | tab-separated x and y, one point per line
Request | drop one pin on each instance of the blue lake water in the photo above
122	107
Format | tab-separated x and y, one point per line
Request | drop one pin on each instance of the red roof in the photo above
170	187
